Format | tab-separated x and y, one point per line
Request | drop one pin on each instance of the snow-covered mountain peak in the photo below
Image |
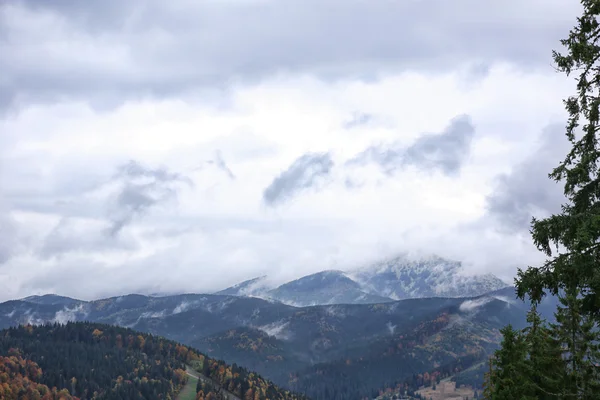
410	276
403	263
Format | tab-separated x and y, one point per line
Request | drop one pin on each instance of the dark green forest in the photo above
96	361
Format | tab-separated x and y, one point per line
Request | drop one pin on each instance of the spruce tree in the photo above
575	231
510	378
562	362
546	365
578	337
488	381
571	238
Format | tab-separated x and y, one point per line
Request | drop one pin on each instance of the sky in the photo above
184	146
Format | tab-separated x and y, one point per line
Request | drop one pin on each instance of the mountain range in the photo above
390	280
331	335
342	351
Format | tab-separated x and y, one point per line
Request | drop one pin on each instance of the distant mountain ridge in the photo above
398	278
249	288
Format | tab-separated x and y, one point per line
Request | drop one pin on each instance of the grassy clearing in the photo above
189	390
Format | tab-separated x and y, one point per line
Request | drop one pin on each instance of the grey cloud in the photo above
157	48
304	173
219	162
76	236
8	226
445	151
527	191
136	196
222	165
358	119
133	169
7	238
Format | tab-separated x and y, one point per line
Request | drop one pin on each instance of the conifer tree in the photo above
579	339
571	238
510	378
488	381
563	363
575	231
546	365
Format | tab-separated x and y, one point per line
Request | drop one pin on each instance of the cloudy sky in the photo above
151	146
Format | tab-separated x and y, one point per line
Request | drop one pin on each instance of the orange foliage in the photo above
97	333
18	381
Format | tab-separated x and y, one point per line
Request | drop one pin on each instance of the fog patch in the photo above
391	328
70	314
30	318
155	314
219	307
471	305
184	306
277	329
335	311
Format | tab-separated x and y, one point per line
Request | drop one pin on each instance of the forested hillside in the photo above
435	349
95	361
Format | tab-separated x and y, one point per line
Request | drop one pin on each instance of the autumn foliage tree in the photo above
19	380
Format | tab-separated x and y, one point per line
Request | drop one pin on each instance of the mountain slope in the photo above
458	336
97	361
324	288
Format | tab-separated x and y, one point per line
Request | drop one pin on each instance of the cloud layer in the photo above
167	147
107	53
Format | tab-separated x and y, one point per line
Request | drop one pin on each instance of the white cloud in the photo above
390	327
184	306
278	329
78	312
150	314
471	305
58	160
